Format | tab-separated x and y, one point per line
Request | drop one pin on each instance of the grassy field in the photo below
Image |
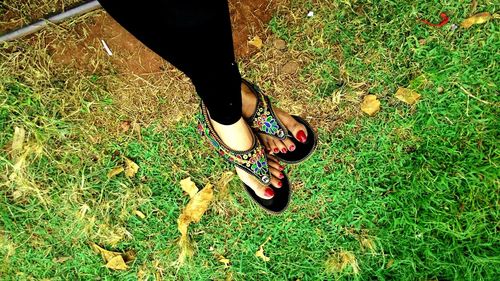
409	194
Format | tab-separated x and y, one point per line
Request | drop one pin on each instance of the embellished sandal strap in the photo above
264	119
253	160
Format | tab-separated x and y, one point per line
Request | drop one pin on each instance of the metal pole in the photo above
36	26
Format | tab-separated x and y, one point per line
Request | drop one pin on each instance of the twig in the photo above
472	96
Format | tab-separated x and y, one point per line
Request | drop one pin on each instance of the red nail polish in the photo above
301	136
283	150
281	176
269	192
276	150
282	168
292	147
280	184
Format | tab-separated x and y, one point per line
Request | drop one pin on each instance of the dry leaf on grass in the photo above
408	96
140	214
193	212
114	260
260	252
115	171
223	260
476	19
189	187
131	168
117	263
370	105
256	42
125	126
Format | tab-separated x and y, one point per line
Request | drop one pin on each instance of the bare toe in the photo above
297	129
281	146
260	190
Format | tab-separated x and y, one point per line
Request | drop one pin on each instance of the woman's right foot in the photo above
238	136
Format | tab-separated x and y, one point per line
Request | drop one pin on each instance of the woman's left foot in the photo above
272	144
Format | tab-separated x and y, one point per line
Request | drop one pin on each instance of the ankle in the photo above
236	136
248	101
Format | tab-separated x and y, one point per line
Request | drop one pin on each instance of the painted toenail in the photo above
282	168
292	148
276	150
283	150
281	176
269	192
301	136
280	184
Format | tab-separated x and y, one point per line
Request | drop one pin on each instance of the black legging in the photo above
194	36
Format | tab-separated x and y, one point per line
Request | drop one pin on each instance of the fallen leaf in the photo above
131	168
408	96
117	263
189	187
290	67
370	105
129	256
114	260
279	44
256	42
115	171
125	126
389	263
476	19
140	214
223	260
193	212
106	255
260	252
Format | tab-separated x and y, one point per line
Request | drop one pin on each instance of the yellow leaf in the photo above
106	255
189	187
115	171
260	252
370	105
476	19
131	168
192	213
256	41
140	214
117	263
224	260
408	96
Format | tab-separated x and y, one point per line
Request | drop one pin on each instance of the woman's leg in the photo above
195	36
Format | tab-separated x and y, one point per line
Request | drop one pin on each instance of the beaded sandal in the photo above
264	121
252	161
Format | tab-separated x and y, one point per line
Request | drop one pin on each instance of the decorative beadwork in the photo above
264	120
253	160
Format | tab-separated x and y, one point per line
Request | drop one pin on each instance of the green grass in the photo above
420	183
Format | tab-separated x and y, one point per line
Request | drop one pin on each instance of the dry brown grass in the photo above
15	14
